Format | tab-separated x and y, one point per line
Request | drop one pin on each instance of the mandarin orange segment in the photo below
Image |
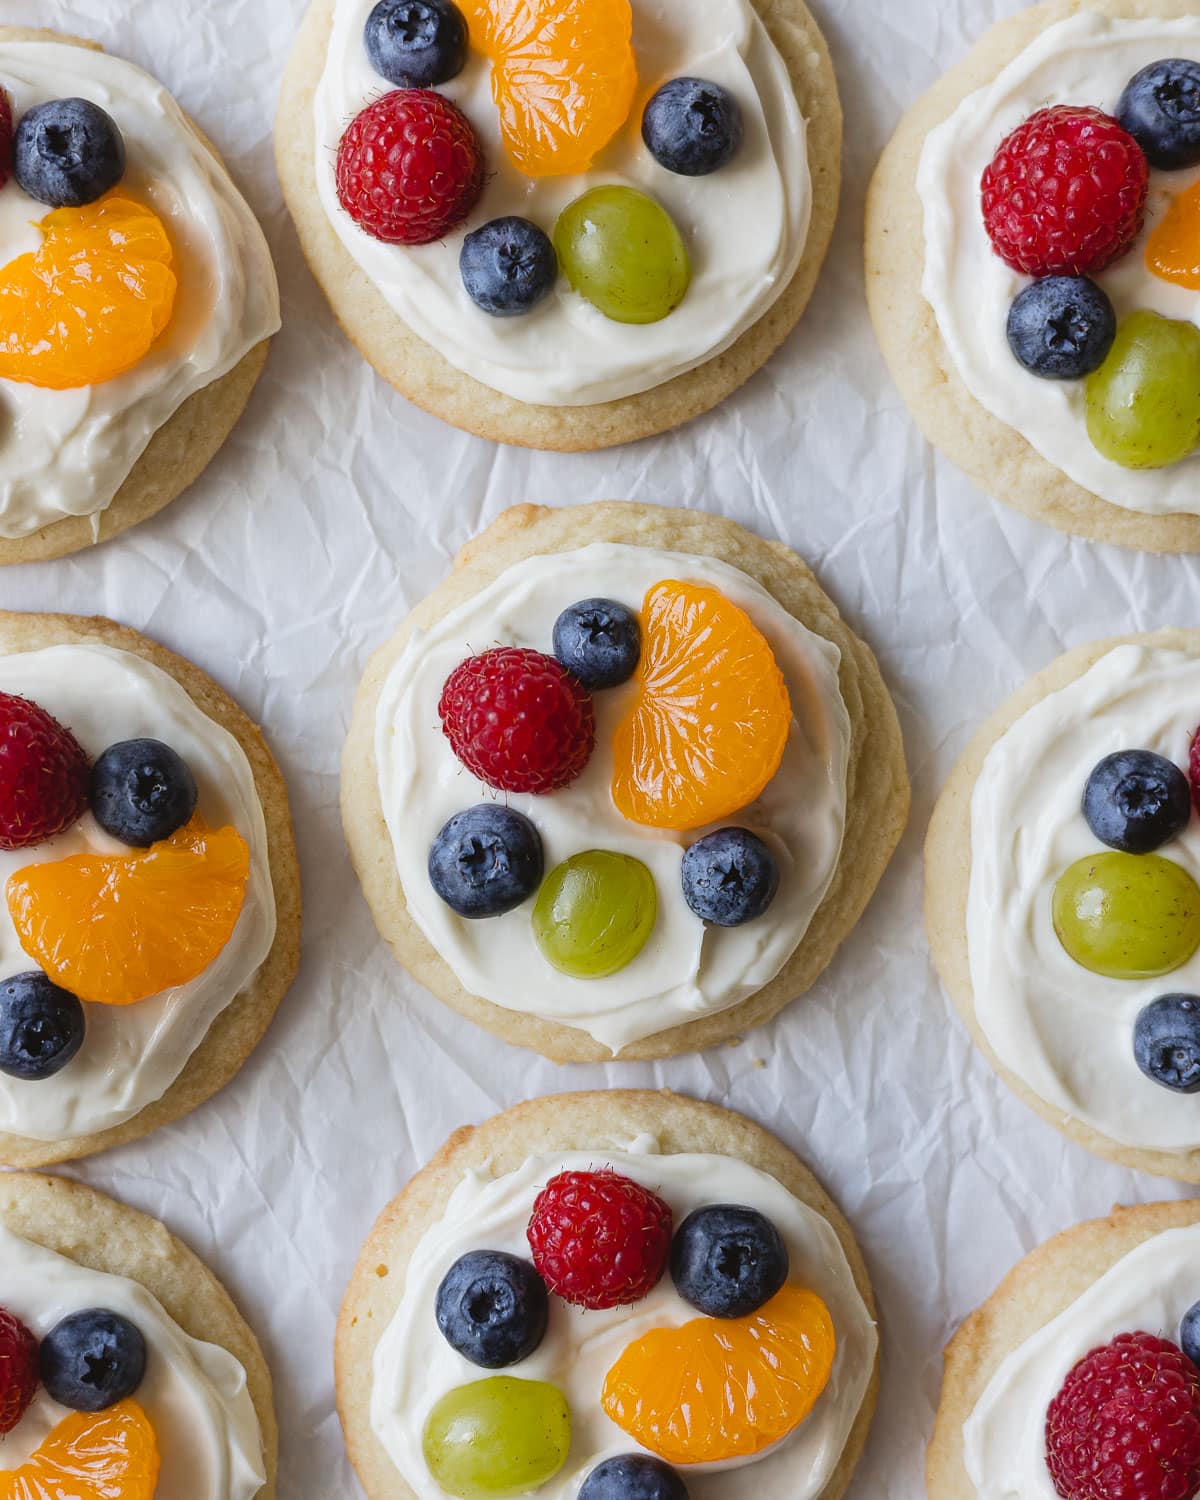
115	929
721	1388
1173	249
711	719
563	76
107	1455
87	304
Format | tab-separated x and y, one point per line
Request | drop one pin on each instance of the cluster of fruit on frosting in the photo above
89	303
1064	197
723	1386
93	1363
410	166
105	929
702	734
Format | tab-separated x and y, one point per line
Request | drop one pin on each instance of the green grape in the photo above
495	1437
1129	916
1143	403
622	251
594	913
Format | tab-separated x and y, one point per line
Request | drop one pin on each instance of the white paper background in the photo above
328	514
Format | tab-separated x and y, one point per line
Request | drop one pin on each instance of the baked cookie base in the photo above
562	1122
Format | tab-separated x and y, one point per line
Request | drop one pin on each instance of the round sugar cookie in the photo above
877	782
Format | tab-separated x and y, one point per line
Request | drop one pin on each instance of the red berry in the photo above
599	1239
518	719
1194	770
44	773
409	167
6	138
1126	1424
19	1375
1065	194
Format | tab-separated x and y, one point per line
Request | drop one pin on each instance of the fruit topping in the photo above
6	138
595	913
692	127
68	152
600	641
115	929
93	1359
142	792
486	861
1125	1425
722	1388
633	1476
1160	108
1143	403
1189	1333
1065	193
563	77
1135	801
1061	328
518	720
91	301
1127	916
42	1027
416	44
492	1308
728	1261
496	1437
112	1455
599	1239
621	251
1166	1042
729	877
409	167
711	720
43	774
19	1374
508	267
1173	248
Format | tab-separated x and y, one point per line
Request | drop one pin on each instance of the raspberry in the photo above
1065	194
19	1376
599	1239
44	774
409	167
1194	770
1126	1424
6	138
518	720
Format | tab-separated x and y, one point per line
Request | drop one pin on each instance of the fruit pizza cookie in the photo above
563	223
1033	256
137	296
149	896
126	1373
619	1296
623	783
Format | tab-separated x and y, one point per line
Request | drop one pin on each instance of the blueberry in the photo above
1160	108
93	1359
600	641
142	791
1189	1333
486	861
633	1476
728	1261
492	1307
416	44
1135	801
41	1027
692	127
68	152
508	266
1166	1042
729	877
1062	327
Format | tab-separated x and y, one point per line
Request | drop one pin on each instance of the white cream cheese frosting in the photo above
67	453
685	970
194	1394
133	1053
414	1366
745	226
1085	60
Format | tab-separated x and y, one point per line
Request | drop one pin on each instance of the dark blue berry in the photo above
41	1027
92	1360
728	1261
600	641
1062	327
68	152
692	127
492	1307
1135	801
416	44
1166	1042
142	791
1189	1333
729	877
508	266
1160	108
486	861
633	1476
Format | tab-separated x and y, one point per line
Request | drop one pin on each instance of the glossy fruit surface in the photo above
142	792
1135	801
508	266
1143	403
711	720
633	1476
93	1359
416	44
729	877
1061	327
1127	916
110	1455
486	861
721	1388
1173	248
1166	1042
67	152
19	1373
497	1437
622	251
41	1027
44	774
492	1307
599	1239
6	137
728	1260
599	640
1161	110
692	127
595	913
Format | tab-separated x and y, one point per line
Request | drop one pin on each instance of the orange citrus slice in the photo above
1173	249
107	1455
